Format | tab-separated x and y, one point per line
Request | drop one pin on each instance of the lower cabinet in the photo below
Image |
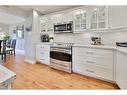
121	69
93	62
43	53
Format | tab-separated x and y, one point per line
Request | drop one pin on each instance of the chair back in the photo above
13	44
2	46
9	43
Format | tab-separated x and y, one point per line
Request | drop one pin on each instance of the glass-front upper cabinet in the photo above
49	24
80	20
46	24
99	17
43	24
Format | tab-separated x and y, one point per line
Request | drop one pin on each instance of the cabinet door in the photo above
99	17
67	17
42	54
77	20
80	20
121	69
49	24
57	18
43	24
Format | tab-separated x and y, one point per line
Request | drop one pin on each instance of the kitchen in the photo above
79	40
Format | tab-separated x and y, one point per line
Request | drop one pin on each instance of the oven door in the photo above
61	56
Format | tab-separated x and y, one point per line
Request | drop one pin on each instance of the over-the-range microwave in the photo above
63	27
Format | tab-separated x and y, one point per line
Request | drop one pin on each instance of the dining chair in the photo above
12	47
8	43
3	49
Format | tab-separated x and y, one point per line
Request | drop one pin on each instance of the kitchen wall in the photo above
108	38
31	37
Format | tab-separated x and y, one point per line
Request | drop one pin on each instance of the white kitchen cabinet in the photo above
43	24
117	17
57	18
80	20
67	16
43	54
99	18
121	69
46	24
50	27
93	62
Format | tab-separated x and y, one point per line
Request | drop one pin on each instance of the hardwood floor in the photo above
38	76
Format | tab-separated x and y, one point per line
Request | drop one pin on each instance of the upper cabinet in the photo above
43	24
46	24
57	18
90	18
99	18
87	18
117	17
80	20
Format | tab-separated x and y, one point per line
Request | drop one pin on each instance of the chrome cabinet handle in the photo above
90	61
90	71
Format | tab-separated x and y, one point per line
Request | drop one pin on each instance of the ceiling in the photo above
46	9
9	19
16	14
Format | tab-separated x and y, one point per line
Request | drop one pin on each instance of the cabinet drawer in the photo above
93	52
93	71
98	61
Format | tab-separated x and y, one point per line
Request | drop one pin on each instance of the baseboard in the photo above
20	52
30	61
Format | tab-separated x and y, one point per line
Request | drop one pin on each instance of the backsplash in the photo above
108	38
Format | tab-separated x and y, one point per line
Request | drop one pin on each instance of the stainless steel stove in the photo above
61	56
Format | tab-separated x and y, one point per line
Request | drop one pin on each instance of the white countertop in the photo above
122	49
94	46
6	75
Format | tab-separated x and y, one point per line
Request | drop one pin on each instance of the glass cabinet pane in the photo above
83	20
98	17
101	25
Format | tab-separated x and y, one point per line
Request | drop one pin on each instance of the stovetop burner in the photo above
60	44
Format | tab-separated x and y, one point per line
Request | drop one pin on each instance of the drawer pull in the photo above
90	71
89	52
90	62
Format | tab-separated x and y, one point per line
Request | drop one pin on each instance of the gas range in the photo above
61	56
62	45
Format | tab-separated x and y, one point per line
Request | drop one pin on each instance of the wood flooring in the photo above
39	76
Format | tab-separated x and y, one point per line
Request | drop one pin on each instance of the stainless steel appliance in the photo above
61	56
45	38
63	27
121	44
96	41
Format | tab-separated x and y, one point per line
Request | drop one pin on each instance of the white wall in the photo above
19	42
108	38
31	37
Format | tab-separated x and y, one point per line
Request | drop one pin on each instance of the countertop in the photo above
6	76
121	49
